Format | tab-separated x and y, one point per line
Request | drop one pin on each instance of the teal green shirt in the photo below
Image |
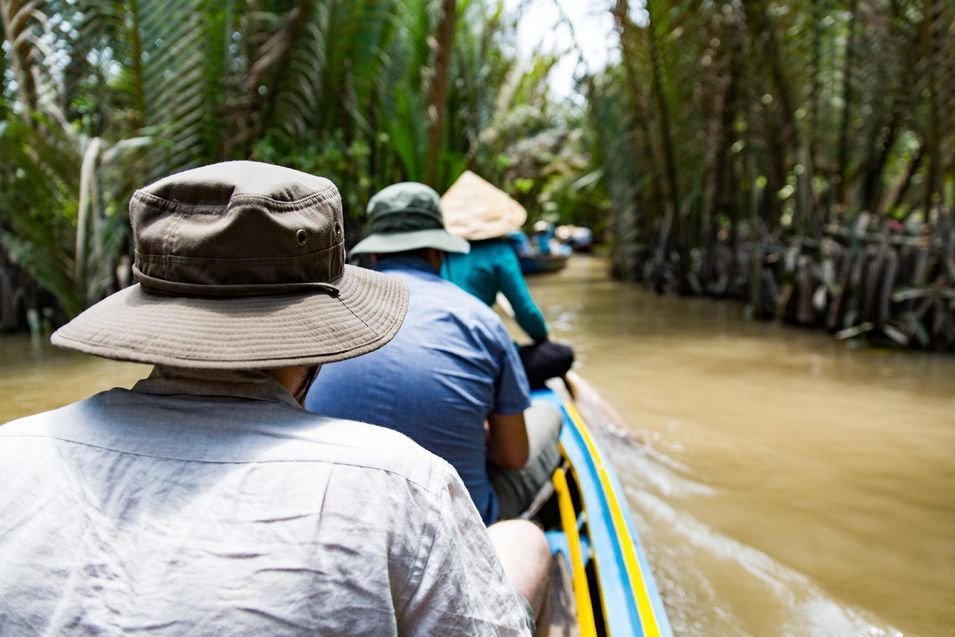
492	267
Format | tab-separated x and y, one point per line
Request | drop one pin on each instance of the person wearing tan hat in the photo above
205	500
485	215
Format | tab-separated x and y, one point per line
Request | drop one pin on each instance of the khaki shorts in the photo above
516	489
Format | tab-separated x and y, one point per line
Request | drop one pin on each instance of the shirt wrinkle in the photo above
414	573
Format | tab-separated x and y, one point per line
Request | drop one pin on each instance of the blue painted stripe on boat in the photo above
619	600
621	612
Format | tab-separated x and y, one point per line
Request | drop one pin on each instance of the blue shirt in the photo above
451	364
491	267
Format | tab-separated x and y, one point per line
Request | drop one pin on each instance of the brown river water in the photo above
786	484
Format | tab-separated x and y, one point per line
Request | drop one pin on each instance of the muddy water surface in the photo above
789	484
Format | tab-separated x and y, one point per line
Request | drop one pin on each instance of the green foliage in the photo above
59	217
108	95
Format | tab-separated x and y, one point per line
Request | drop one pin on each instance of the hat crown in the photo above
476	210
237	228
405	207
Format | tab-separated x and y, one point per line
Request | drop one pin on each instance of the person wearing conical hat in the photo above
205	500
482	214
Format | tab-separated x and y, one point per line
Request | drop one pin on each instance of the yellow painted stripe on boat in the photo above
568	520
634	572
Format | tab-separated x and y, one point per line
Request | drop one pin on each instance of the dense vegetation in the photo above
796	154
799	155
102	96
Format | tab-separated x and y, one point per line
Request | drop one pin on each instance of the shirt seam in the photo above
426	488
418	571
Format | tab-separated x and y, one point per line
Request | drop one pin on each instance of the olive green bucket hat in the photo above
407	216
240	265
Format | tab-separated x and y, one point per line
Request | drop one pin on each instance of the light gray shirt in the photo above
219	507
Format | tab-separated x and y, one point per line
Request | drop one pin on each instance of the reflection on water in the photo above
791	486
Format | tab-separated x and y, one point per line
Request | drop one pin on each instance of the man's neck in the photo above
414	261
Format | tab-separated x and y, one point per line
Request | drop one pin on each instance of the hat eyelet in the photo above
301	236
338	230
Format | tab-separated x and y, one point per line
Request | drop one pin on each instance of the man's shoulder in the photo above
374	448
455	301
226	430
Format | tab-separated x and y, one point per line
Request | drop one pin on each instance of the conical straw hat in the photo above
475	210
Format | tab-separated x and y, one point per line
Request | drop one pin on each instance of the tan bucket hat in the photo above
475	209
241	265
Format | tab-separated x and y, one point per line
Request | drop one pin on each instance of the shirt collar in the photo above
252	384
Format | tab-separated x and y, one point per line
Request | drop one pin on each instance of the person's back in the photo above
121	519
206	501
492	267
450	365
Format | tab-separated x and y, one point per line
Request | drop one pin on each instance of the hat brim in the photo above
404	241
259	332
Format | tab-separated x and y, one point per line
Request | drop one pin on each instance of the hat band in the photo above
405	220
154	285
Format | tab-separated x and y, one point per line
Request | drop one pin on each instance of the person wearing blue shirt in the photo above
451	379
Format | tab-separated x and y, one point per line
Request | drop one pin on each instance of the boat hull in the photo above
540	264
589	526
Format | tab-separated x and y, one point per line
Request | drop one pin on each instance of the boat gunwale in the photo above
638	608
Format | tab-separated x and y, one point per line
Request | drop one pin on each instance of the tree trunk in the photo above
138	118
438	89
881	142
760	26
16	16
842	161
897	195
672	223
932	42
643	142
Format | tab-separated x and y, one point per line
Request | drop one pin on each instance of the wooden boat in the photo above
590	530
541	263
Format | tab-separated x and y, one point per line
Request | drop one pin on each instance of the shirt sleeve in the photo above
512	284
462	589
512	391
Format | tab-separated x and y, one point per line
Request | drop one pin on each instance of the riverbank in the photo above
887	287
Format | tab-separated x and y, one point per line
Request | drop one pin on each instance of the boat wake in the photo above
712	584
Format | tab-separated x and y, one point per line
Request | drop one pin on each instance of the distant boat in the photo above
541	263
533	261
